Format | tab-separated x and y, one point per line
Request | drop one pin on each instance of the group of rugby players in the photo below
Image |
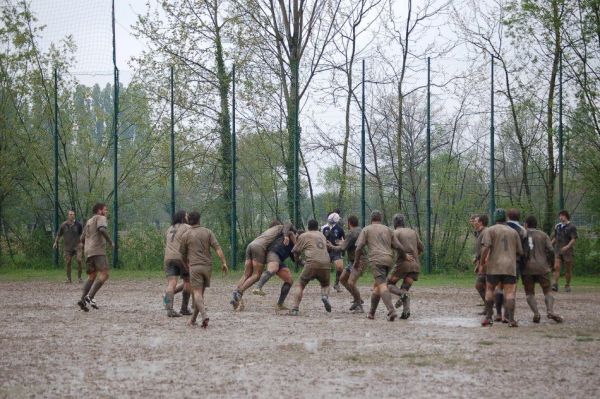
503	252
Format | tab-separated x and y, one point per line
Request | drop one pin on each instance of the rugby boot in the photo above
358	309
185	312
487	322
294	312
567	288
391	316
83	306
555	317
326	303
536	318
555	287
258	291
205	323
281	307
173	313
337	287
91	302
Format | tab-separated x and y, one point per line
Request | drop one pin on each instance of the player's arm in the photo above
286	232
221	255
396	244
572	241
361	241
104	231
420	246
58	235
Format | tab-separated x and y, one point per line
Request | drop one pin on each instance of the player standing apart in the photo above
94	238
501	247
174	265
351	274
71	231
480	223
563	239
537	269
196	243
381	242
405	270
312	245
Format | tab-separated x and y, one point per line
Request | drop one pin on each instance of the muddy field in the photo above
129	348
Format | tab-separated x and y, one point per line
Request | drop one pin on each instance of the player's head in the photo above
481	221
398	220
376	216
352	221
313	225
500	216
71	215
194	217
100	209
514	214
333	218
564	216
299	232
531	222
179	217
275	222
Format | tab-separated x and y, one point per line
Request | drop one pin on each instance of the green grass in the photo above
49	273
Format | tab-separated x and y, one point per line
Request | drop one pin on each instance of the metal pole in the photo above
561	193
428	205
115	258
296	217
492	155
363	215
172	145
233	180
55	252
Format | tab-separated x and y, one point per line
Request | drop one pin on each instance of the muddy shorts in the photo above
96	263
272	257
542	279
321	275
255	253
500	278
480	278
282	266
175	267
200	276
77	252
335	255
380	273
565	256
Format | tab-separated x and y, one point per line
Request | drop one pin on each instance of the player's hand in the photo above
563	250
329	245
286	241
410	257
224	268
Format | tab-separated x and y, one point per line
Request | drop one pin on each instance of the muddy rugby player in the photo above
334	233
405	270
381	243
351	274
256	254
94	238
175	267
312	246
276	257
70	231
501	247
196	243
563	239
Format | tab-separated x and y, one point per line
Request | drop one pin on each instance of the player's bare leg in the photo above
185	296
325	297
237	295
509	305
489	304
549	300
297	295
402	292
272	269
568	274
499	301
170	296
339	267
68	260
348	280
529	286
257	269
556	272
198	305
385	295
86	289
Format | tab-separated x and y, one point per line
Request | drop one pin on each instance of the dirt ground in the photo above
129	348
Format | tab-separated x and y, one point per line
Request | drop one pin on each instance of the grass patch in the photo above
584	339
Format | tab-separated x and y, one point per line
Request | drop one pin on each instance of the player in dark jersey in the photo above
563	239
334	232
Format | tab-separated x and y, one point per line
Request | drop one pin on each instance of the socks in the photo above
199	307
374	303
386	297
549	299
170	299
69	271
185	299
86	288
285	290
393	289
355	294
499	300
337	277
489	309
510	309
264	278
481	291
95	288
533	304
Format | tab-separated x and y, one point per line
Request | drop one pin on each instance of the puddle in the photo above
450	321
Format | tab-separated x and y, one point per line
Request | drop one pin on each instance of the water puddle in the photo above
450	321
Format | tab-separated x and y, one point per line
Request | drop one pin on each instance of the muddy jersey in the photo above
283	251
380	240
540	252
71	233
412	245
95	243
333	233
479	247
173	241
349	244
505	245
313	245
268	236
195	246
564	233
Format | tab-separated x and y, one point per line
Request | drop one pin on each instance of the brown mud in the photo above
129	348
